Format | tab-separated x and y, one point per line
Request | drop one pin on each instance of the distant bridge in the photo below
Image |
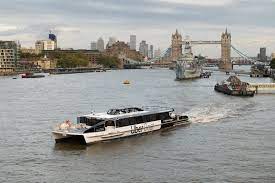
206	42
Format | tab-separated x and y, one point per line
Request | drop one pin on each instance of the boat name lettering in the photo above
139	129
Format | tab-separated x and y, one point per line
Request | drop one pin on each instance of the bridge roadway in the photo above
206	42
201	42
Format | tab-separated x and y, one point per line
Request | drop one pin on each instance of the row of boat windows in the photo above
123	122
128	121
142	119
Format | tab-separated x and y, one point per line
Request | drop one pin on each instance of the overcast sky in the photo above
78	22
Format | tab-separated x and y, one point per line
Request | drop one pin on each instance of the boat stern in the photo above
68	137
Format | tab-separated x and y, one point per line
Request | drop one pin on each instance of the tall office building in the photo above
262	55
39	47
157	53
93	45
53	37
100	45
133	42
143	48
111	41
151	52
49	45
9	55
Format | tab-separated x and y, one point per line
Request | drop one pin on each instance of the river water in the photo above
231	139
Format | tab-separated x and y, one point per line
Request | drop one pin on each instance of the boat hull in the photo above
221	89
189	74
183	73
115	133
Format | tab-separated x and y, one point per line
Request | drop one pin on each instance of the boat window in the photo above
123	111
100	128
109	123
163	116
146	118
96	128
132	121
123	122
139	120
92	129
153	117
89	121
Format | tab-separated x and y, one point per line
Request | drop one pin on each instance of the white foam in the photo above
212	113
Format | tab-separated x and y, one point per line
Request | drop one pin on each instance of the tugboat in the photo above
32	75
117	123
234	86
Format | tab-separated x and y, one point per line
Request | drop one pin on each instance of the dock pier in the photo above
73	70
262	87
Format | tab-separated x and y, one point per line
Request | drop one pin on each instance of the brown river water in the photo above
231	139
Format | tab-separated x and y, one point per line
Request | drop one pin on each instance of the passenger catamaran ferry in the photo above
117	123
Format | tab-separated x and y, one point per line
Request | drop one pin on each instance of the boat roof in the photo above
122	115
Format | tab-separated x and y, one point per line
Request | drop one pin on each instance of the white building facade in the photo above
100	45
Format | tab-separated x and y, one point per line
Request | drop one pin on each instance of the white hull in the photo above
110	132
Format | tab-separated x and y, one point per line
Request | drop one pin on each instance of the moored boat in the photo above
187	66
32	75
234	86
117	123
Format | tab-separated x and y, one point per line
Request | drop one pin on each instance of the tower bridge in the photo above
225	42
226	62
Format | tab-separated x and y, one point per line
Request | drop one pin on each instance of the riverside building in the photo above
9	55
111	41
93	46
48	44
143	48
42	45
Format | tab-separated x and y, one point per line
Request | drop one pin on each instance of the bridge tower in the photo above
176	48
225	63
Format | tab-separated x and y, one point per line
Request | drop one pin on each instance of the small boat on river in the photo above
117	123
32	75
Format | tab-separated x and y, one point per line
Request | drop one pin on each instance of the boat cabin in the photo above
121	118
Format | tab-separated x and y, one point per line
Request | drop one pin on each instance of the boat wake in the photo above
215	112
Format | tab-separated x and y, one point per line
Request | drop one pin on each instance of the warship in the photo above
187	66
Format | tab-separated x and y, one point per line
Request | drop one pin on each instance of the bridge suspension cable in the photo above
162	54
243	55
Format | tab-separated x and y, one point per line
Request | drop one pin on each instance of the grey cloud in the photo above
36	17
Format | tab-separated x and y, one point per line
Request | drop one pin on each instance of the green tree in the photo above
108	61
272	63
71	60
30	56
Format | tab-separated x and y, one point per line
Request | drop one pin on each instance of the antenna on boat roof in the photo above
92	111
